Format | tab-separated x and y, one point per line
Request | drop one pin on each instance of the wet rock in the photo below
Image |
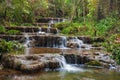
76	59
96	53
72	45
97	48
52	65
39	62
98	39
32	67
8	61
85	39
1	66
30	63
32	29
86	53
31	57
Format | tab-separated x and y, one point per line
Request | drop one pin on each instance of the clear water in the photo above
67	74
91	74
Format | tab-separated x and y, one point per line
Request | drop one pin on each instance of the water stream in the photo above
64	66
57	44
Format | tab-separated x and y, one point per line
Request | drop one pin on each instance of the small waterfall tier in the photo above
33	29
39	62
48	21
46	41
55	41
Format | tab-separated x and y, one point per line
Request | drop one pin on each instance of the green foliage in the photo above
104	25
116	52
62	25
13	32
9	32
10	46
112	47
26	24
2	29
75	28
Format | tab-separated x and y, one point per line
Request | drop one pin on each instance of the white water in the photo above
58	19
27	41
40	31
80	43
26	44
67	67
63	42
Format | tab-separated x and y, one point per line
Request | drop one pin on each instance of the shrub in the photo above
104	25
13	32
62	25
27	24
10	46
2	29
116	52
75	28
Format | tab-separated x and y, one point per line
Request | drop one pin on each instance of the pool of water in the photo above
83	73
88	74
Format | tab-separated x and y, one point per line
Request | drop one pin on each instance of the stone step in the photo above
49	38
41	24
30	29
48	19
11	37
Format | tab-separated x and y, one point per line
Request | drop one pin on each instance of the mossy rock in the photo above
94	63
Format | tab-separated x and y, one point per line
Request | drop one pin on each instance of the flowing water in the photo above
66	71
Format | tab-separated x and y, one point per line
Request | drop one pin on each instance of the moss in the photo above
94	63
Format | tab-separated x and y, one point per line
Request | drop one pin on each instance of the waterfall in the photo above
63	42
48	29
63	20
49	25
80	42
58	20
75	40
27	40
40	31
67	67
26	44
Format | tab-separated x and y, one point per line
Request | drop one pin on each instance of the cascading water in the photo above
27	40
40	31
63	20
80	42
63	42
49	25
58	20
26	44
74	42
67	67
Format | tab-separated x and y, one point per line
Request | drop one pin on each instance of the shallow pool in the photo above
87	74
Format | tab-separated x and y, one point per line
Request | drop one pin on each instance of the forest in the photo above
89	18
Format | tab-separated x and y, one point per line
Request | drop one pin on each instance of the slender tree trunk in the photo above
83	2
76	4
